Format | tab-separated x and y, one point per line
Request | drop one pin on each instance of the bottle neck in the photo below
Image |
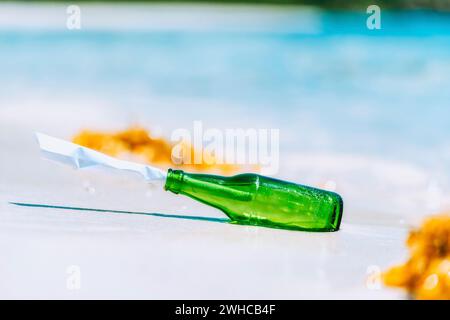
201	185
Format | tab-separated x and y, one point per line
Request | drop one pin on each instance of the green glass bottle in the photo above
253	199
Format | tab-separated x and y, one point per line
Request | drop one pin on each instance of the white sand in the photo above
143	256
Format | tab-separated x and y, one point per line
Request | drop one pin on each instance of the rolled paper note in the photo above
249	198
80	157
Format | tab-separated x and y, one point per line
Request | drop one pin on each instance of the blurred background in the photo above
363	111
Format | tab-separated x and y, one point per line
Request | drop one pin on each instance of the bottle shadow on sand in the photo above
161	215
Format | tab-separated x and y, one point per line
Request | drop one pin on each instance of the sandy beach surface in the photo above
137	254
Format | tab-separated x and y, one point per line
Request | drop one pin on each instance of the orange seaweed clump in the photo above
136	142
426	275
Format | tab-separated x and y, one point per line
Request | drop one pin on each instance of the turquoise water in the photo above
331	87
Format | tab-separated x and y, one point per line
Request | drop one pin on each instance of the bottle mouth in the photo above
174	180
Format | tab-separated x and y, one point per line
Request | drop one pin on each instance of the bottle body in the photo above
258	200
